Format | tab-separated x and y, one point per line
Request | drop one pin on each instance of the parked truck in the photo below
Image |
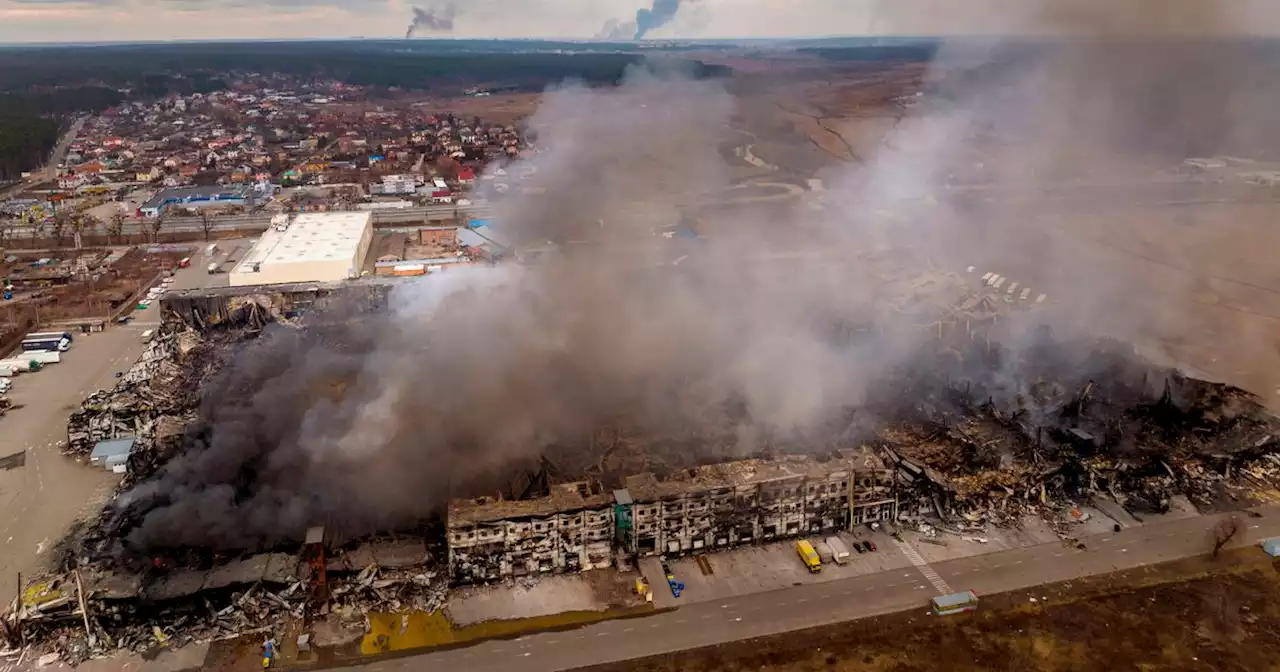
809	556
839	552
49	357
20	365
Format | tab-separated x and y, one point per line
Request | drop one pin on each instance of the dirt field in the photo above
34	304
502	108
1225	616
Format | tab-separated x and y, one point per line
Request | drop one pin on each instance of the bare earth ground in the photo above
1197	614
499	108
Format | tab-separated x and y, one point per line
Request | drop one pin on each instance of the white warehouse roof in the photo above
317	246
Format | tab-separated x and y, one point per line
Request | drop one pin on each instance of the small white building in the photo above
394	185
313	247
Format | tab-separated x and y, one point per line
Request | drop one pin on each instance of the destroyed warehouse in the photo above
969	433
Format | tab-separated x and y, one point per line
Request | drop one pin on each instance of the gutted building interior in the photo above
578	527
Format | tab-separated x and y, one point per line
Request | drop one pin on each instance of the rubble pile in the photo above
986	433
101	609
388	590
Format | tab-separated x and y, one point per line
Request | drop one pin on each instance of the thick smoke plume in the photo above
655	16
437	17
722	346
648	19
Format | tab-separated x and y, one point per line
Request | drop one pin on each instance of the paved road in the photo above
40	500
811	605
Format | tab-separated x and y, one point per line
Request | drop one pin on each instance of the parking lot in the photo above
755	569
42	497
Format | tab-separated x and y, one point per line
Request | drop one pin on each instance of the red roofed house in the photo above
467	176
441	196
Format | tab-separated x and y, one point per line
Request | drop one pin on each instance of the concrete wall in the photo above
308	271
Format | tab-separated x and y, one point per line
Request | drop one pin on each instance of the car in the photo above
857	546
871	546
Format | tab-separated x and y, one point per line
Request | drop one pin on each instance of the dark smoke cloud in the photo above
648	19
372	422
655	16
437	17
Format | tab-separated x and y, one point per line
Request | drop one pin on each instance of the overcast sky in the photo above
116	20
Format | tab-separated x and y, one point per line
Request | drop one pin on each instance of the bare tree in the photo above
1224	531
206	223
115	228
60	223
157	223
78	224
38	228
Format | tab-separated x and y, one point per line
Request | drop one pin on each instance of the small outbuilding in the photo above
112	454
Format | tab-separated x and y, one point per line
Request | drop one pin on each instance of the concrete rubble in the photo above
96	612
964	444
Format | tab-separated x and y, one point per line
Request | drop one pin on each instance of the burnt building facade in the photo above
719	506
571	529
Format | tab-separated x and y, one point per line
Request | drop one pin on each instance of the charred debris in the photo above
977	432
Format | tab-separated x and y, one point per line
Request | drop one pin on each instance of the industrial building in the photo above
310	247
577	526
195	197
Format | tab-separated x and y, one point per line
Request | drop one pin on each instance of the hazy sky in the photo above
111	20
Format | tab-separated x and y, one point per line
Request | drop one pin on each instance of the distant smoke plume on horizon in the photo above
437	17
647	19
373	423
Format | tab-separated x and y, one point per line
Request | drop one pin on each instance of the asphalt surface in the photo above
41	499
812	605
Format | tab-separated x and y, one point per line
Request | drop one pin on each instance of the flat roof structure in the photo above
563	498
195	195
313	247
112	452
646	487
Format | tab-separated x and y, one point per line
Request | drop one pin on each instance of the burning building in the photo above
711	507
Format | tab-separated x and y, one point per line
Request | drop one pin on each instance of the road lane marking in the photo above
923	567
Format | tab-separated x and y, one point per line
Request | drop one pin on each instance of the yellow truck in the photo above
809	556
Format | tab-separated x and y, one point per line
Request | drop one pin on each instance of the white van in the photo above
5	385
146	335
